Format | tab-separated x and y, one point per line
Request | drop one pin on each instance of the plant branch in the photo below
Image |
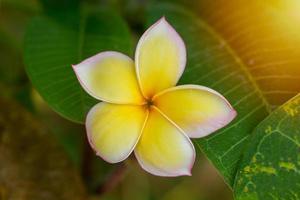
113	179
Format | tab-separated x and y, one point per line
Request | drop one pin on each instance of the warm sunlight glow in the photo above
291	8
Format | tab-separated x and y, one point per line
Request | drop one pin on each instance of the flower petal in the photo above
198	110
160	53
163	149
110	76
113	130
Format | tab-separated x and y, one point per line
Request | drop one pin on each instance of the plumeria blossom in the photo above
142	109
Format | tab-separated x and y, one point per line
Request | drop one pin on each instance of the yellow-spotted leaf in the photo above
270	168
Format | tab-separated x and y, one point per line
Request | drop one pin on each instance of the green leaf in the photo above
212	63
270	168
52	45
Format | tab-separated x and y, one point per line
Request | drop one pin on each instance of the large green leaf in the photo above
52	45
211	62
270	168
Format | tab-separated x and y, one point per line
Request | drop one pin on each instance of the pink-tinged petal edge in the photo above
91	60
177	38
187	172
88	131
223	121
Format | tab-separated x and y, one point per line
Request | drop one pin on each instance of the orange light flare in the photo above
265	35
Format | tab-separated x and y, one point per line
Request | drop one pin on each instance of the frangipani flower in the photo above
143	111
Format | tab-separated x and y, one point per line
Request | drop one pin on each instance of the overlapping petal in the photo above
113	130
160	58
198	110
163	149
110	76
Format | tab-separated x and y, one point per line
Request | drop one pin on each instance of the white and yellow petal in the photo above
160	58
113	130
110	76
198	110
163	149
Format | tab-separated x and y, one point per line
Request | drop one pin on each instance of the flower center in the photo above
149	103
